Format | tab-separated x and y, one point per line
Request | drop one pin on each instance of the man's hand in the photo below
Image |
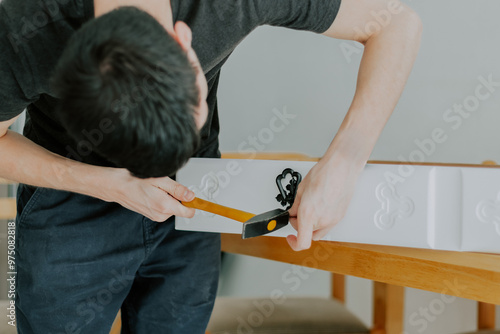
156	198
322	199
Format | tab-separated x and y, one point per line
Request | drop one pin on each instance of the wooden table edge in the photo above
467	275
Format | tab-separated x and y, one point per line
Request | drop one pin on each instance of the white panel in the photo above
481	210
449	208
445	202
385	213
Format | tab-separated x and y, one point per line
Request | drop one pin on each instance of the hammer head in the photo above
265	223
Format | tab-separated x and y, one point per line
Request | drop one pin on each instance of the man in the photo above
132	97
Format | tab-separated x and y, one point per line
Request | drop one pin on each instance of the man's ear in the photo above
183	35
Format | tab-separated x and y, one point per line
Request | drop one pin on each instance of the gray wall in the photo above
311	77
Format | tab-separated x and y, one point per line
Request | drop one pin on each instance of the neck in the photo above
159	9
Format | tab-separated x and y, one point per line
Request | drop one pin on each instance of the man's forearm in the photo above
156	198
25	162
386	64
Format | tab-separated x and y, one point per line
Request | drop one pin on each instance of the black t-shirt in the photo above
33	34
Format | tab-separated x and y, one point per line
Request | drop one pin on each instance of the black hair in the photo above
123	67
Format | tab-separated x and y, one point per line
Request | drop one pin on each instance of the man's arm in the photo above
391	45
25	162
159	9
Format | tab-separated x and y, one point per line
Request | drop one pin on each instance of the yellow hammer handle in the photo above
220	210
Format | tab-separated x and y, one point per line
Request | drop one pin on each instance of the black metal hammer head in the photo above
265	223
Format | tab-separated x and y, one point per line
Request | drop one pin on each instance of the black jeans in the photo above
79	260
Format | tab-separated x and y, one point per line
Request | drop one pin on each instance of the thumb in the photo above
304	235
175	189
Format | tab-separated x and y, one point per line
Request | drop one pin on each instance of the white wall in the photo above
312	77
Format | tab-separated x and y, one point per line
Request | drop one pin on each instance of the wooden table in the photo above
468	275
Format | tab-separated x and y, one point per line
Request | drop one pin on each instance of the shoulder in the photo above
22	21
32	35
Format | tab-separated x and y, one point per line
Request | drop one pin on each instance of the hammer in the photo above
253	225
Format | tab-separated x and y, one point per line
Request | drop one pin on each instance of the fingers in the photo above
169	205
166	206
180	210
174	189
303	240
304	227
296	203
293	211
155	198
293	214
172	207
304	230
304	235
321	233
316	234
292	241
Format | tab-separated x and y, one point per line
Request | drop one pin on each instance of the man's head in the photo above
123	67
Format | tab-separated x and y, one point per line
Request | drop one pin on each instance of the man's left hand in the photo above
322	199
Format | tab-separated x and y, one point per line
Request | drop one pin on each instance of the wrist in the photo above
356	136
349	147
95	181
105	183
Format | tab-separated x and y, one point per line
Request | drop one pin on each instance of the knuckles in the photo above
178	190
191	213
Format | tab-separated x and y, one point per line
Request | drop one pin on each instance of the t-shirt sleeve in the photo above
12	98
311	15
14	77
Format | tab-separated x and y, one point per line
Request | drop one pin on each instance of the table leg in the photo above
485	316
338	287
388	308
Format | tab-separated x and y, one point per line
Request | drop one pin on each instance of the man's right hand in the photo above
156	198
